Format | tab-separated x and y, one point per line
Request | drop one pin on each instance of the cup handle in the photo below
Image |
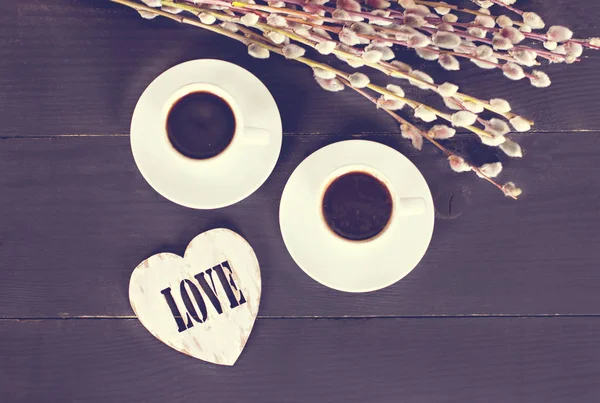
255	136
411	206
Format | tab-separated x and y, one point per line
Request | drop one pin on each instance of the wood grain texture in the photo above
77	217
552	360
79	66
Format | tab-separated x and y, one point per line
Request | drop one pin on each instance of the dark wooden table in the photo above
504	308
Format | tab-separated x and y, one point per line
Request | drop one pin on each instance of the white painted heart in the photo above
204	304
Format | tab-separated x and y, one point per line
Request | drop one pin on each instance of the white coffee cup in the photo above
243	136
401	207
232	175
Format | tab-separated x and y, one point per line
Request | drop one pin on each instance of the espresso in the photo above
200	125
357	206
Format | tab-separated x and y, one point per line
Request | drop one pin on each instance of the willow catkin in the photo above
491	170
463	118
359	80
500	105
447	89
441	132
511	149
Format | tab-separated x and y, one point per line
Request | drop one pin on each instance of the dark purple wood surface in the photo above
504	307
492	360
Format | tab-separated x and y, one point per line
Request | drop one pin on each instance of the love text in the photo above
198	312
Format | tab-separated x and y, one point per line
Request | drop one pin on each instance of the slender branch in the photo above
251	37
386	68
427	137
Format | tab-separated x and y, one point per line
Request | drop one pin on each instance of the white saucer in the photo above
191	183
347	265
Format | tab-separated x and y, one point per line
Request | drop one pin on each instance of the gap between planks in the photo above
466	316
58	136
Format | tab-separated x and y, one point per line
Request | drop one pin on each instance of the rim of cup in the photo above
361	168
215	90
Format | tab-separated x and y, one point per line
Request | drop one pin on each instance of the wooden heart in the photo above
203	304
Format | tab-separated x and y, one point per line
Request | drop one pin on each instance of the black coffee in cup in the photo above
357	206
200	125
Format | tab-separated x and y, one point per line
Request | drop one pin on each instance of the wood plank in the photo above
534	360
76	218
78	67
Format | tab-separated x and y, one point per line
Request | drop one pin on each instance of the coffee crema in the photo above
200	125
357	206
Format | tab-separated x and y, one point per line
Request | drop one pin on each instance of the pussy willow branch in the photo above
386	68
430	139
412	103
434	20
435	36
532	35
311	16
381	66
285	11
278	49
400	19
